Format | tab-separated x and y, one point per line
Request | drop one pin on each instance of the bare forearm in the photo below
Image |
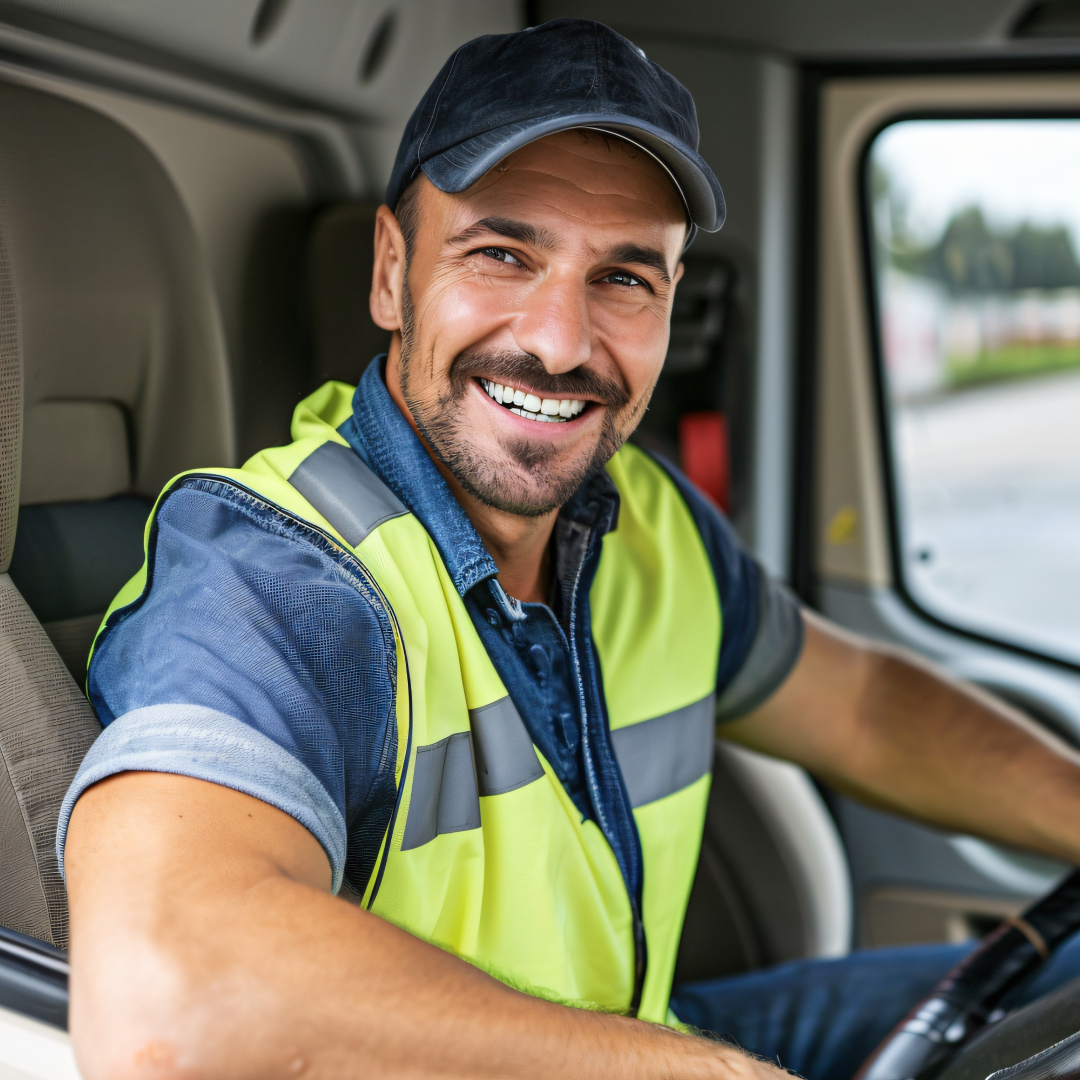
303	984
896	732
207	961
961	759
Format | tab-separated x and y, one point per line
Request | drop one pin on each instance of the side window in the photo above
974	233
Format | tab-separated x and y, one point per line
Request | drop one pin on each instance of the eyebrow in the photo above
525	233
521	231
643	256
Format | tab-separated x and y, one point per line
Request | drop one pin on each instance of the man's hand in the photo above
205	943
895	732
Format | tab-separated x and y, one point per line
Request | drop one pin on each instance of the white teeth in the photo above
531	406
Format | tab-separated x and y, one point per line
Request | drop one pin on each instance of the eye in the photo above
500	255
624	279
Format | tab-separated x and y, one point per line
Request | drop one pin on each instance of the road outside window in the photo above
975	229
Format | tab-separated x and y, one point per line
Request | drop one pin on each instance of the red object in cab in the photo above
703	454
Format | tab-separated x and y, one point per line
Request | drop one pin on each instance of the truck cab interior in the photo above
871	371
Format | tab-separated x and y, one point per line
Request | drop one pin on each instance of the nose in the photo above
554	324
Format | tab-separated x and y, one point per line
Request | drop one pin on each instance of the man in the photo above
455	656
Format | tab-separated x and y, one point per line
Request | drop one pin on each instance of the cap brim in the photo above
461	166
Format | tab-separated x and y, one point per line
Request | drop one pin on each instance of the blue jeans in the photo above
822	1018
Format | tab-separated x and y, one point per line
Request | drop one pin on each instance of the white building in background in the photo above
924	327
913	314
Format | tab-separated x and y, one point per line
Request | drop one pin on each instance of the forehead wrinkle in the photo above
622	217
600	150
598	179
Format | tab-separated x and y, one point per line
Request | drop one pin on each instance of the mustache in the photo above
525	368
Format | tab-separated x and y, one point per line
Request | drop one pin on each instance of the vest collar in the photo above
388	445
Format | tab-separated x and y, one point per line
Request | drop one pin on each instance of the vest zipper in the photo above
640	949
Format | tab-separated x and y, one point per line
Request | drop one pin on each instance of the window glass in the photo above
975	231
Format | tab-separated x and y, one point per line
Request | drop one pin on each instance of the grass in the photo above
1016	361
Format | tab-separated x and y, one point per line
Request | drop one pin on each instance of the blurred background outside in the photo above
975	227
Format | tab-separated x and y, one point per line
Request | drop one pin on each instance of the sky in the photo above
1015	170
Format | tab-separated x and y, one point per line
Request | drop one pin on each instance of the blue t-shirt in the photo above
258	657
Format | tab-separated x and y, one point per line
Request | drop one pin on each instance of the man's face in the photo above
536	313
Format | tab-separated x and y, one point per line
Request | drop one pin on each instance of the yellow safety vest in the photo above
486	855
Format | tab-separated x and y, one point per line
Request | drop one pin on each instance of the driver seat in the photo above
46	724
113	378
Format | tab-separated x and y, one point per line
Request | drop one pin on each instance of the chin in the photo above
512	487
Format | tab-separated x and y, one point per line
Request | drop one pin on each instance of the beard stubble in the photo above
528	481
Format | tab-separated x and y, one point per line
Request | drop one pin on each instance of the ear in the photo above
388	275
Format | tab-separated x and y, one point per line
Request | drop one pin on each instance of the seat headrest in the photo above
124	370
341	257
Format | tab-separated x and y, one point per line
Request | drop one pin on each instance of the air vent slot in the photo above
378	48
267	19
1049	19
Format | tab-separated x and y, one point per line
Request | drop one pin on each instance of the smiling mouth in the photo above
532	407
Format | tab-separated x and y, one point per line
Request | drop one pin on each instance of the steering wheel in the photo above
1034	1043
959	1028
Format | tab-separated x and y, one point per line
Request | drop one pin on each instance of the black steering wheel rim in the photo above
967	999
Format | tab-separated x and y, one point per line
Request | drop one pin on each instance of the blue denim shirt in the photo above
258	658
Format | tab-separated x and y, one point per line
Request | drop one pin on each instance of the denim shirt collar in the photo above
386	442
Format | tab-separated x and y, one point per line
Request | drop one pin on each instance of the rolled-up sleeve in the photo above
772	651
258	657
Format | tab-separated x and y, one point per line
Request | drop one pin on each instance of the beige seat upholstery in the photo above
112	379
46	724
124	373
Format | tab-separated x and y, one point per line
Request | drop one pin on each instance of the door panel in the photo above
31	1050
940	591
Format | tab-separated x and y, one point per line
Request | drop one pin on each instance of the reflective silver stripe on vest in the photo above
444	795
661	756
345	491
447	785
505	758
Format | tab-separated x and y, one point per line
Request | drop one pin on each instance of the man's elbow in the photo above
118	1056
141	1028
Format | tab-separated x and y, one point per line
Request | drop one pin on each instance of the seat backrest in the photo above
772	880
125	381
46	724
113	378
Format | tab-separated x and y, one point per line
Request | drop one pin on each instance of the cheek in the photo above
638	346
460	313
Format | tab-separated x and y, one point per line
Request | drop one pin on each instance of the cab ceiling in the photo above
819	28
370	59
364	59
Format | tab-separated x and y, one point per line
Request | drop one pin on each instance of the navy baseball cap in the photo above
500	92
